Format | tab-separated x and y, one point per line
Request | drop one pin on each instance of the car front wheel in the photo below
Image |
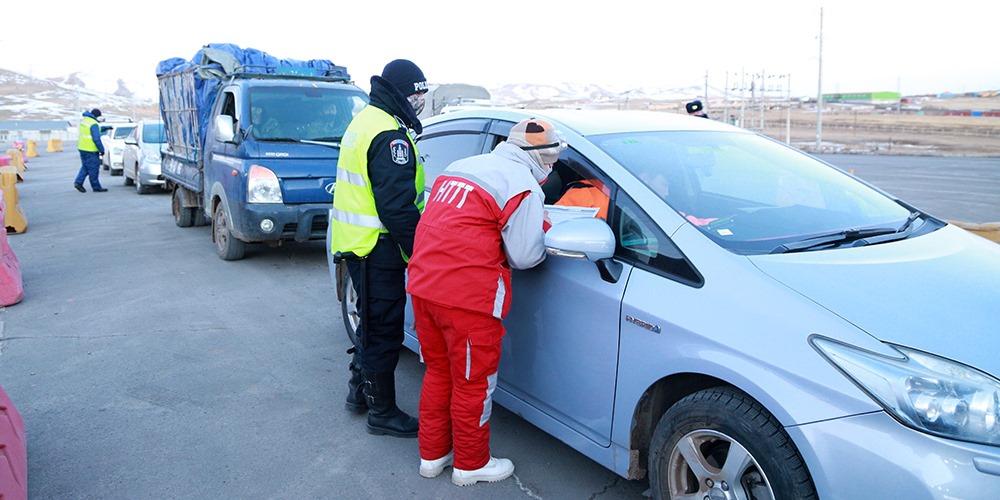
721	443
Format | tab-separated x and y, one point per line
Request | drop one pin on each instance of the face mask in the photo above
416	102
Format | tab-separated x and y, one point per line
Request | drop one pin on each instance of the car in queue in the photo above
747	321
141	158
113	136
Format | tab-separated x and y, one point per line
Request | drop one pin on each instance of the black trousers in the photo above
382	324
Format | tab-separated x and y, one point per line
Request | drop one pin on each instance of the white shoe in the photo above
497	469
432	468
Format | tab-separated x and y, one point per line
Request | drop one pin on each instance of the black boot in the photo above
384	417
355	387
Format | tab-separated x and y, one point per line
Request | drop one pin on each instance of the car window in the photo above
154	133
123	132
749	194
440	149
306	113
641	242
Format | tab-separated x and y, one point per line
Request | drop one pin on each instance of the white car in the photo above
113	136
141	157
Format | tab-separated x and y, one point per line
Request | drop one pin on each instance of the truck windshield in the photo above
302	113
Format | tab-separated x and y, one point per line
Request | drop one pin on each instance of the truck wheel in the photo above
349	309
720	443
199	219
227	246
182	214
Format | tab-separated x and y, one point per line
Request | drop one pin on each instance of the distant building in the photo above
38	130
874	98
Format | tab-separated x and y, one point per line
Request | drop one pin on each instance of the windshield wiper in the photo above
836	238
839	238
333	142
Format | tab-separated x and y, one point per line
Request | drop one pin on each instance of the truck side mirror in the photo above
224	130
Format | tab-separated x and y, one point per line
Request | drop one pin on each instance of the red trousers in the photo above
461	349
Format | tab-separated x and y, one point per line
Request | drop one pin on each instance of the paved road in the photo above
146	367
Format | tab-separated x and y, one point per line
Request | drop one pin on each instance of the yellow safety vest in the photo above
86	142
354	221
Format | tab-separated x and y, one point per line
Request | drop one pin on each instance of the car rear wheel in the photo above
182	214
349	308
227	246
720	443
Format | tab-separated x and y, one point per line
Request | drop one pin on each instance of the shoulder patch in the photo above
400	151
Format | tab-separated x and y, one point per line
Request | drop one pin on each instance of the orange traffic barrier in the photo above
13	217
32	149
989	230
17	159
11	282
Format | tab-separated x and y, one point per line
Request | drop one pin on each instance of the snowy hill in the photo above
25	98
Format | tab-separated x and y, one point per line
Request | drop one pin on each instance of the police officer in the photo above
696	108
91	151
376	206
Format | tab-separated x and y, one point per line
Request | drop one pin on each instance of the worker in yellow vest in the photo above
91	151
376	206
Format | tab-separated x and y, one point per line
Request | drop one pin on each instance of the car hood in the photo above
939	292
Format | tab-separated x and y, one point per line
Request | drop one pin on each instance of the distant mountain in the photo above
65	98
25	98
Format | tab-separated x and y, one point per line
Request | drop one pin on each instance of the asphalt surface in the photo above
146	367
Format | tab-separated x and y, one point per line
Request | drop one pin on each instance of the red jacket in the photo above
483	216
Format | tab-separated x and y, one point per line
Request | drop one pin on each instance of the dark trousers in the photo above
90	167
385	298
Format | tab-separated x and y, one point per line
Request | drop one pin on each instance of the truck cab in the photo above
271	159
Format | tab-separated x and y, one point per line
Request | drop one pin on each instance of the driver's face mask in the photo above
416	102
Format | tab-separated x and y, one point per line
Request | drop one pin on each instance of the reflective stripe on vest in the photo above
354	221
86	142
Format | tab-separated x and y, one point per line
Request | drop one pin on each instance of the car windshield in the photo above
750	194
154	133
302	113
123	132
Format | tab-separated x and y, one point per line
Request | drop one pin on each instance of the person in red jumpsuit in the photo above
483	217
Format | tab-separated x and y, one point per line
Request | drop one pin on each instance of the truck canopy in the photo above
188	87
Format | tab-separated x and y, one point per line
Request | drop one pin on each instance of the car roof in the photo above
592	121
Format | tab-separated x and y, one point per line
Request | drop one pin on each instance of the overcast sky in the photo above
873	45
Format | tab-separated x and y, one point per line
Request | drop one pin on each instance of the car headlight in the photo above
262	186
924	391
117	150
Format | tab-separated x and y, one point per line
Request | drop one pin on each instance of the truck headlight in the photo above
262	186
926	392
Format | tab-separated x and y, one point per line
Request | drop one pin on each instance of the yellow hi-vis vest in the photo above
86	142
354	221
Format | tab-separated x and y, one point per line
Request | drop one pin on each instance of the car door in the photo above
438	146
560	352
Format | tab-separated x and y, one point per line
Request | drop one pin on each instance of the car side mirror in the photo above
586	238
132	141
224	130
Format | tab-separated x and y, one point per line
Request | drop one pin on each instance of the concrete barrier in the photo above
13	217
989	230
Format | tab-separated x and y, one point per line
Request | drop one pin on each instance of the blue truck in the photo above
253	143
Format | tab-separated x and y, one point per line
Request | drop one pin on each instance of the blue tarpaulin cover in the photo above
188	87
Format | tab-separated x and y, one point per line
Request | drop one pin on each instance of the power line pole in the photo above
819	91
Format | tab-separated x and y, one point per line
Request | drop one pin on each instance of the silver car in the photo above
141	159
748	321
